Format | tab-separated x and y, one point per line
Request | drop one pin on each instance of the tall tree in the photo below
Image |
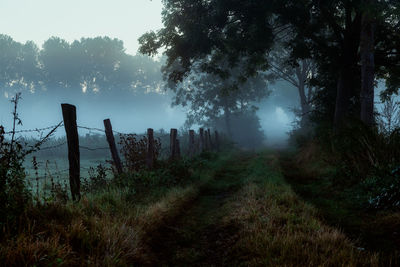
367	63
328	32
209	96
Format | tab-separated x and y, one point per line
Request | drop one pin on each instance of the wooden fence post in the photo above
216	141
177	149
206	141
191	143
71	130
111	144
172	139
210	143
150	148
201	140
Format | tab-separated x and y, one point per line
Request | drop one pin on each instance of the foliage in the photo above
14	195
88	65
388	119
383	191
327	33
134	151
97	179
209	96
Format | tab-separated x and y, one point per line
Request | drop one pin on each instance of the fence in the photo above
72	147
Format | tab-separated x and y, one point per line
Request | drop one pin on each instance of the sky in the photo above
37	20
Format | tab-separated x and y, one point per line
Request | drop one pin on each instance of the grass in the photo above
235	209
110	227
340	204
277	228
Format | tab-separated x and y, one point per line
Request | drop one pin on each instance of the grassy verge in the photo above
108	227
277	228
342	204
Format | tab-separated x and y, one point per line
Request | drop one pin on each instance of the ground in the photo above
237	209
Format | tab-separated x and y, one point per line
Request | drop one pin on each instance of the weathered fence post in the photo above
206	141
210	143
177	149
191	143
172	137
201	140
71	129
216	141
150	148
113	147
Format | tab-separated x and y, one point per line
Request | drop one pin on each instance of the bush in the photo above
134	151
383	190
97	179
14	195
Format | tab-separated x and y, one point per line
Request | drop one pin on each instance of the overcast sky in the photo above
37	20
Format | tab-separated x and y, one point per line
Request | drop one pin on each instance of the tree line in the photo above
88	65
333	51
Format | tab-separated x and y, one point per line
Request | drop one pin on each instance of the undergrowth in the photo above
353	181
111	224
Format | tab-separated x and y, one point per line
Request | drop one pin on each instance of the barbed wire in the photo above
47	175
36	129
91	129
98	130
94	149
62	172
53	147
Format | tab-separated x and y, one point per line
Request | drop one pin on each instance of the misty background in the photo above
141	102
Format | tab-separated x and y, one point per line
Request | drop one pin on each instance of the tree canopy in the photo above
326	32
88	65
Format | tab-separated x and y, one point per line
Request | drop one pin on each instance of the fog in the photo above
136	114
116	25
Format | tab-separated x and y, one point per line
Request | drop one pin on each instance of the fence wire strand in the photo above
36	129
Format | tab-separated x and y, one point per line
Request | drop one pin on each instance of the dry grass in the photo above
101	230
279	229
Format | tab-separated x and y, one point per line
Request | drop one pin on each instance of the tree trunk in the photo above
367	66
348	73
301	73
227	115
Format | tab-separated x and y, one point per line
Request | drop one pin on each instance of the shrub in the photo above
14	195
134	151
97	179
383	190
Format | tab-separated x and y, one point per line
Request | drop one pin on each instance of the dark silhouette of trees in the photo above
210	96
326	32
90	66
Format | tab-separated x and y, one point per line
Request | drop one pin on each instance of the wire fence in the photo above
53	152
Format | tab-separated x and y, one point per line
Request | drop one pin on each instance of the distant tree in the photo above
245	127
299	74
210	96
19	66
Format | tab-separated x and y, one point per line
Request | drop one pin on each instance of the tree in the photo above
209	96
367	45
299	74
211	32
328	32
332	31
19	66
